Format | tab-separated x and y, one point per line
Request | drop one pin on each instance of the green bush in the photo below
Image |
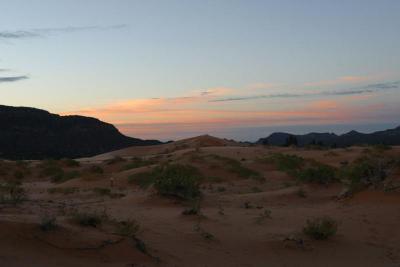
236	167
182	181
286	163
319	173
365	171
321	228
127	228
11	193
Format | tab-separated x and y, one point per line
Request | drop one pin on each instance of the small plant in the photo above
365	171
286	163
321	228
203	233
127	228
11	193
87	219
182	181
319	173
48	223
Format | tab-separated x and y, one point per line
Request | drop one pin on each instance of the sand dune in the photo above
232	229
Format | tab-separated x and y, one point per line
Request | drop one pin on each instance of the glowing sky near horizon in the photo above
173	69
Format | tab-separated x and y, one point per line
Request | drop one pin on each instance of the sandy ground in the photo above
226	234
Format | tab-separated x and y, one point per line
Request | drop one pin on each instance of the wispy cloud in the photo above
340	80
13	79
42	32
370	88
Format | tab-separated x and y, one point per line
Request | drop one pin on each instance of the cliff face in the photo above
28	133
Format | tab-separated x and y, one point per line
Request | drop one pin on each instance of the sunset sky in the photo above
235	69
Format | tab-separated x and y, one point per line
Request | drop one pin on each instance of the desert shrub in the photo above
127	228
236	167
96	169
286	163
88	219
317	173
64	176
11	193
366	170
321	228
62	190
70	163
48	223
142	179
182	181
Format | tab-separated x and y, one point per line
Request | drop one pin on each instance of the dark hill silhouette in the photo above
29	133
388	137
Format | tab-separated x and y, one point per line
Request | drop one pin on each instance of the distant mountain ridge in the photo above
30	133
388	137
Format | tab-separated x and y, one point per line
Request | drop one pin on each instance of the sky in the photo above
236	69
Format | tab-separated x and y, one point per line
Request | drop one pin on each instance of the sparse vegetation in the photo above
317	173
142	179
321	228
127	228
136	163
286	163
237	167
64	176
182	181
367	170
11	193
